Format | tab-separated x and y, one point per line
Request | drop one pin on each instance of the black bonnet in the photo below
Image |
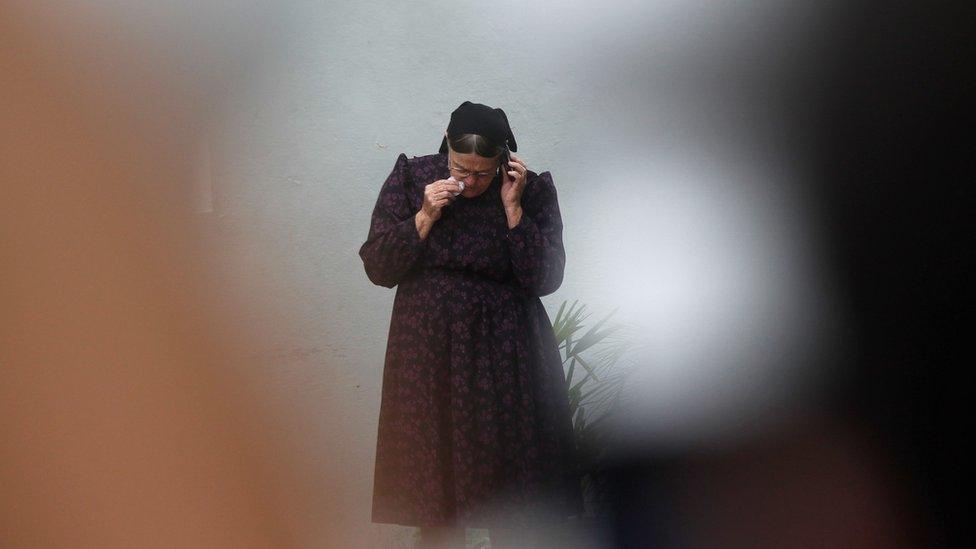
481	120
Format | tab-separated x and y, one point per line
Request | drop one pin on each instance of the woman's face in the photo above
476	171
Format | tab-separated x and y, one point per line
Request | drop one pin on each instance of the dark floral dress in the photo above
474	427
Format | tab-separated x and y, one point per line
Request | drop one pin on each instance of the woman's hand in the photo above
438	194
513	185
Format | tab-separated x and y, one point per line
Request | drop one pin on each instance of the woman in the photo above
474	427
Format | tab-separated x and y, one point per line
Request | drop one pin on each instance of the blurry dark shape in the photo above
819	486
876	465
897	198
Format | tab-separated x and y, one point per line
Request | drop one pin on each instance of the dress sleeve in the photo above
393	245
536	244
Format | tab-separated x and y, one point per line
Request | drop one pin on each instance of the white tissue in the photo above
460	183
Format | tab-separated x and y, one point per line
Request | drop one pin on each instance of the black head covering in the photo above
482	120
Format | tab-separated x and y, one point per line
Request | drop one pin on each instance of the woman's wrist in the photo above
423	223
514	215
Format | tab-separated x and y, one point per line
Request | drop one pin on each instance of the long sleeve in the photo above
393	245
536	243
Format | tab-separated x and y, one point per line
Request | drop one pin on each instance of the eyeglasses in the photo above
464	174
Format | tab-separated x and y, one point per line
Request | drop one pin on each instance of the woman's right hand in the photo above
438	194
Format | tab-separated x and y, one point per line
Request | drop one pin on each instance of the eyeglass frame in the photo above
478	175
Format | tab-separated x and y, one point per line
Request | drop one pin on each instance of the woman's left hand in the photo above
513	183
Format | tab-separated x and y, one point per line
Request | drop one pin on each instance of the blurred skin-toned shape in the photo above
123	423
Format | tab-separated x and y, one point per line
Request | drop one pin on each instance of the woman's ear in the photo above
444	146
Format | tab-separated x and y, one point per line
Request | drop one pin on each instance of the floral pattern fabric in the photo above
474	427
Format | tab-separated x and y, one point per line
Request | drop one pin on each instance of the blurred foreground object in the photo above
122	423
869	457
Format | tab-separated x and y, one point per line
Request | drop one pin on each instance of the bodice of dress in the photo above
471	239
470	236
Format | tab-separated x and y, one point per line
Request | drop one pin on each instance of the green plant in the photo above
593	397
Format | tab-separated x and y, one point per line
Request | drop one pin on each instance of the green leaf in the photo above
600	389
587	367
559	314
580	383
592	337
567	325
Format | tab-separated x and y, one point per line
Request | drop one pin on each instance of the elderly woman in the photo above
474	426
